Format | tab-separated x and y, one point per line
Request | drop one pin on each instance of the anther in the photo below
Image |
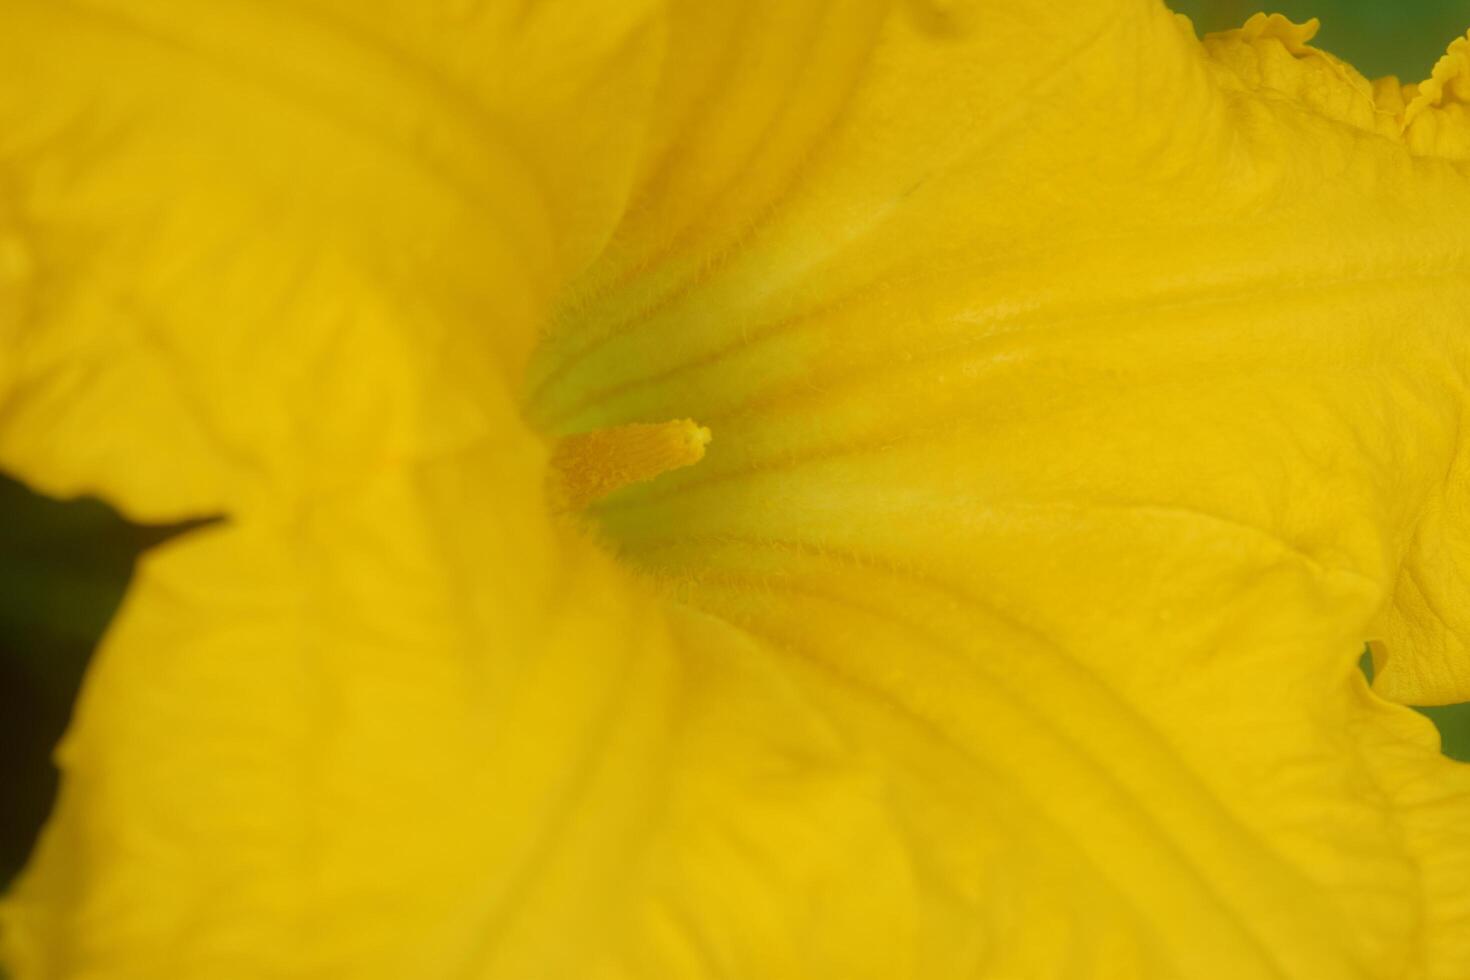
590	465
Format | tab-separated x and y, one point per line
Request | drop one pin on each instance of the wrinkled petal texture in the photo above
1083	396
318	235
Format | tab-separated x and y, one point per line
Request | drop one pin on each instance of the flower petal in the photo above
1074	413
411	734
1090	431
1178	282
251	251
399	735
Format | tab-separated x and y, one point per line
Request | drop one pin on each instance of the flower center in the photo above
590	465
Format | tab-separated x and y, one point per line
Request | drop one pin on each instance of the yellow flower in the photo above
1080	396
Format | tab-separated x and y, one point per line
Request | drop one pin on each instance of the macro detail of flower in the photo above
778	489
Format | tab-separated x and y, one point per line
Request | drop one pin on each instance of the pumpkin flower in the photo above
780	489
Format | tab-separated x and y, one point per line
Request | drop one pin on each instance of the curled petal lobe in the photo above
1270	56
1438	115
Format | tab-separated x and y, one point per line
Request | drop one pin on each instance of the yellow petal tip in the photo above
1293	36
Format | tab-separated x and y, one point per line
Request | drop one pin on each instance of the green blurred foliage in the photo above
1379	37
1453	722
63	569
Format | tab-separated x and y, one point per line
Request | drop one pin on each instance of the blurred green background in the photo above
64	566
63	569
1379	37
